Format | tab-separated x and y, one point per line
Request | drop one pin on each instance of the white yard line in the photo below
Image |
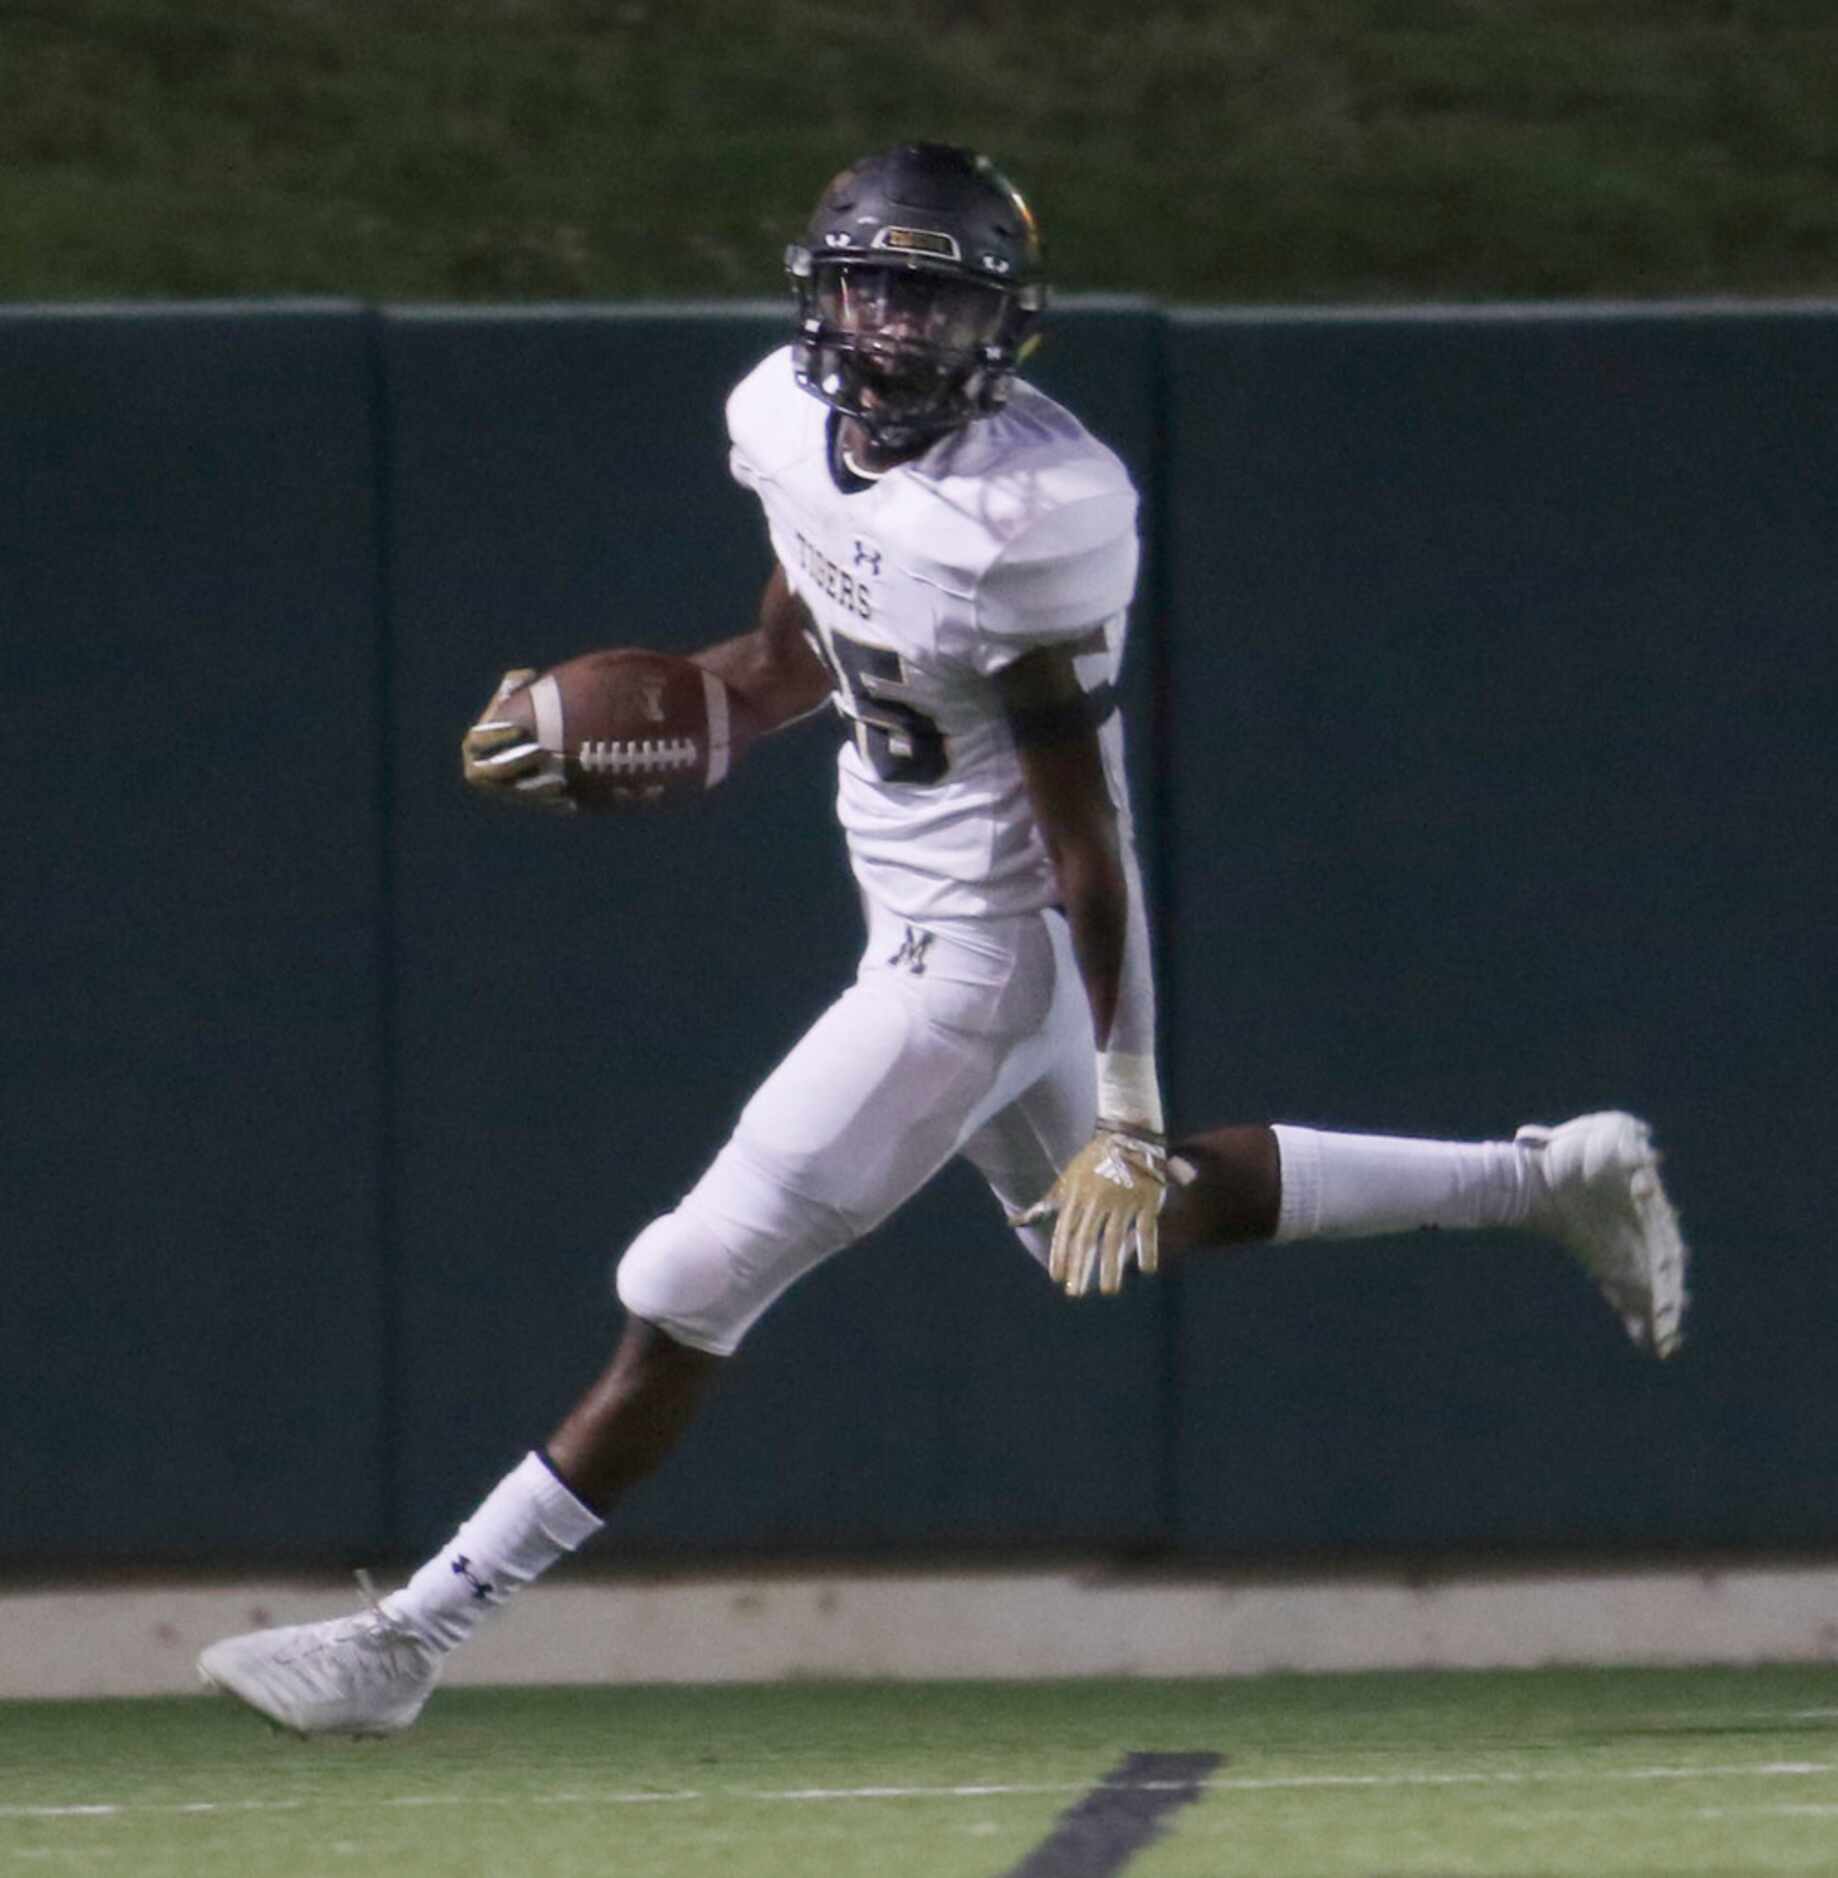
1274	1783
1780	1809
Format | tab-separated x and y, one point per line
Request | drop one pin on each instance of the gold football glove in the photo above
1108	1203
502	759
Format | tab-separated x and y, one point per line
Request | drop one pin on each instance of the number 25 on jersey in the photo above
898	742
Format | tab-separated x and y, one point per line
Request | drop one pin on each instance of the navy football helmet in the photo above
918	286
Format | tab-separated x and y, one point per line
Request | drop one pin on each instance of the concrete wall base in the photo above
129	1638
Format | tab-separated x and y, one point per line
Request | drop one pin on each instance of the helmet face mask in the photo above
903	348
918	285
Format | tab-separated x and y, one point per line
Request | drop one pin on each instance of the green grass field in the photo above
1191	150
1597	1774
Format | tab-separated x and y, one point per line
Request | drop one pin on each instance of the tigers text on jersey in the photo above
1017	531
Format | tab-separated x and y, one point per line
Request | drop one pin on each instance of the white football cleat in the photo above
1602	1198
361	1675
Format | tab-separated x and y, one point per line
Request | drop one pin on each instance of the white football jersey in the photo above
1017	531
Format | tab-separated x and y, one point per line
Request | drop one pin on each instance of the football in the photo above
635	729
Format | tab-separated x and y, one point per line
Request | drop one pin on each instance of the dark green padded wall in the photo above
190	1360
1481	707
1503	788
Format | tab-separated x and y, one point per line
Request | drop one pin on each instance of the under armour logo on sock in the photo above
912	951
481	1588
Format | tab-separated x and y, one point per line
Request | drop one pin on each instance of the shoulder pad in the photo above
771	419
1029	485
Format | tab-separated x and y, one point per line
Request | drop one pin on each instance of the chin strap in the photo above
856	469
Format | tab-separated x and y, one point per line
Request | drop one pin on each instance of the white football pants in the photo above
967	1037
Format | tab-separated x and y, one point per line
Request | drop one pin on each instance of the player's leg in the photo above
1021	1146
372	1673
1592	1184
1020	1150
1240	1185
939	1030
1225	1189
621	1430
628	1423
1237	1185
865	1109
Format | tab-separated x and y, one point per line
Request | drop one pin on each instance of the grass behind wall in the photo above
559	149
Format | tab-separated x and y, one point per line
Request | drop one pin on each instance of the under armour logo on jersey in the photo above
867	556
482	1588
912	950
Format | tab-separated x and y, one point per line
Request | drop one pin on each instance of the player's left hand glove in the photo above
500	758
1108	1203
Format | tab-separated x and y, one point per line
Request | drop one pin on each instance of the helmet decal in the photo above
918	241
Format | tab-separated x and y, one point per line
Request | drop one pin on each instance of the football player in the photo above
954	560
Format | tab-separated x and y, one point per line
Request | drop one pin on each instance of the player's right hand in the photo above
501	758
1107	1204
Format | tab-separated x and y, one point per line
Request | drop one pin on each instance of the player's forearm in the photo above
1095	895
759	693
1101	890
1100	887
1094	865
1129	1086
771	674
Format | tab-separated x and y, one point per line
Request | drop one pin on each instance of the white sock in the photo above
527	1522
1360	1186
